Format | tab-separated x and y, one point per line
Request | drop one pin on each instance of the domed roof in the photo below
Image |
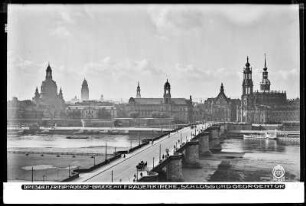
167	84
49	68
84	83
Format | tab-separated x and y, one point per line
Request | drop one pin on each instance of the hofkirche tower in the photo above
247	97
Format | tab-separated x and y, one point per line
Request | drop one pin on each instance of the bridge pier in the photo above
204	144
222	130
191	158
214	140
174	168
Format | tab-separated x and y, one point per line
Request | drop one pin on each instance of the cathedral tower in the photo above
84	91
138	91
167	93
247	84
221	88
247	97
265	82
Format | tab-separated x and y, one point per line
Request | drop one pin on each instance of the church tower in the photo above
138	91
265	82
247	96
167	93
36	96
84	91
247	84
221	88
60	94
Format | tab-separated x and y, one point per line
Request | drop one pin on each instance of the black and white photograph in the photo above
132	94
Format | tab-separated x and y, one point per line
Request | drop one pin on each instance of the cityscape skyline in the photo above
155	46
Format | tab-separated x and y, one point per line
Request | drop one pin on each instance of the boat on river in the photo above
76	137
267	135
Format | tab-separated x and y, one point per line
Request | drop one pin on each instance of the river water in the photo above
256	165
260	156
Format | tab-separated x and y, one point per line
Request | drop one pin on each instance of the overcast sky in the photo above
114	46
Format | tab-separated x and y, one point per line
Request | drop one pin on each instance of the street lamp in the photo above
112	175
69	170
94	157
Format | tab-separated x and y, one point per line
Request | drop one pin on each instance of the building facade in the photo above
265	106
180	109
221	108
91	110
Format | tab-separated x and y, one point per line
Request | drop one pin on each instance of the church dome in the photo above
49	68
84	83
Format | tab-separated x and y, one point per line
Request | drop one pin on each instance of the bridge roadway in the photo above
124	169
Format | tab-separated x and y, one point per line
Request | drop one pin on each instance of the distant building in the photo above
180	109
48	99
265	106
84	91
91	110
221	108
20	111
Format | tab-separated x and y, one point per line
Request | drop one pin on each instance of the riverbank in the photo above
46	167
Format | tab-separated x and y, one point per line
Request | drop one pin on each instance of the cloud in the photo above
124	68
169	20
65	17
61	31
176	20
288	74
242	14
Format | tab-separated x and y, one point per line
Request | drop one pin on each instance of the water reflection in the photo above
263	145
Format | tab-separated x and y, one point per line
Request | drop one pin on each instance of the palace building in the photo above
265	106
52	103
180	109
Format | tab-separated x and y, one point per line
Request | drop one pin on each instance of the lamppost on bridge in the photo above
44	176
69	170
94	158
32	174
112	175
159	152
105	151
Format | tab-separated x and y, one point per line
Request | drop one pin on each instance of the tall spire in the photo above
222	88
138	95
265	61
247	63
